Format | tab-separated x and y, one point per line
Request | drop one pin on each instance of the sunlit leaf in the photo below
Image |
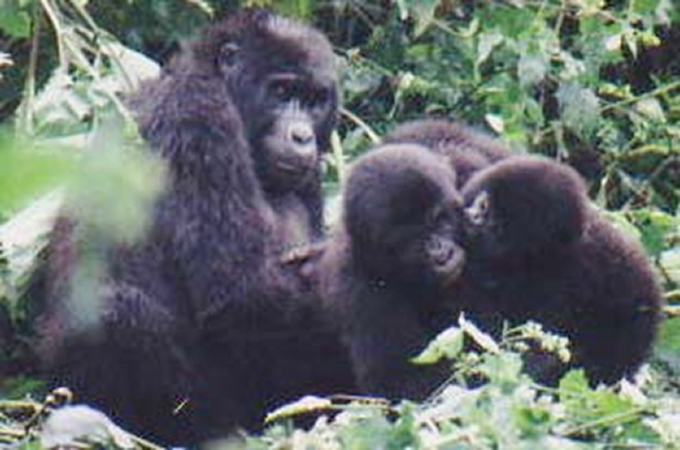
69	425
304	405
483	339
448	344
652	109
28	171
14	21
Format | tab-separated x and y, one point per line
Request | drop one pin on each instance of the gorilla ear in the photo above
477	213
228	56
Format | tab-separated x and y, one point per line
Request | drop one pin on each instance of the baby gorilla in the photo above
536	250
384	271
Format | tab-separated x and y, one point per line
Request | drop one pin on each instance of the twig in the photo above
672	310
372	135
25	122
12	433
144	443
612	419
653	93
54	20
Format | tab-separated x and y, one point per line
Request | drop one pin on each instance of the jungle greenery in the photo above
590	82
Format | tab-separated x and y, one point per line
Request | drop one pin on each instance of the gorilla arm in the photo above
217	216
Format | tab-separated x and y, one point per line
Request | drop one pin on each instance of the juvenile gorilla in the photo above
466	149
384	271
200	313
537	251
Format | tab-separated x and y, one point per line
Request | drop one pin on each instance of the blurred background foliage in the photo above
594	83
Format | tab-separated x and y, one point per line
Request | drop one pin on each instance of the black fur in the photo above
200	309
536	250
466	149
384	271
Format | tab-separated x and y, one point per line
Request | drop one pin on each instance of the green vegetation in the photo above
592	83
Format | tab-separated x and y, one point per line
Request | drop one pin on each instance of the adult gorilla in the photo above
201	329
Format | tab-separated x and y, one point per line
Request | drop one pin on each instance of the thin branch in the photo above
53	17
372	135
25	123
653	93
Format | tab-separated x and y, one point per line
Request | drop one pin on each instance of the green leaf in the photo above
423	12
306	404
481	338
670	262
654	227
15	22
573	384
28	171
644	7
24	236
668	344
621	222
652	109
447	344
488	40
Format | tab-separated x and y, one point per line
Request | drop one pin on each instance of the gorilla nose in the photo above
301	134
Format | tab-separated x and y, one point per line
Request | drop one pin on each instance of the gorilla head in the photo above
522	206
281	76
402	215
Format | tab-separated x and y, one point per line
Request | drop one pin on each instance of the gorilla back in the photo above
467	150
200	312
538	251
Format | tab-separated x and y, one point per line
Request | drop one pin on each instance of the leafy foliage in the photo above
504	409
591	83
507	410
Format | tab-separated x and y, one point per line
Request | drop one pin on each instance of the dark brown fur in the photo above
200	309
380	274
538	251
466	149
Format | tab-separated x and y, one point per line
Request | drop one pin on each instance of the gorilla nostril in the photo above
301	134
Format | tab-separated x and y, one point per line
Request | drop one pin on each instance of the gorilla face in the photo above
431	254
289	145
285	89
403	214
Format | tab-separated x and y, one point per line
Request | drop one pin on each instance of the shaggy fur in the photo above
538	251
385	270
466	149
200	313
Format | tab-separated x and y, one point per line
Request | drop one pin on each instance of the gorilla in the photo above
537	251
201	328
466	149
385	270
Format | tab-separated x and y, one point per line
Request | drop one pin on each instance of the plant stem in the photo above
653	93
372	135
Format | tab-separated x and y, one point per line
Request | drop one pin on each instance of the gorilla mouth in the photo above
291	167
451	271
292	174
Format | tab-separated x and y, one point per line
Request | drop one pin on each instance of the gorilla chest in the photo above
292	221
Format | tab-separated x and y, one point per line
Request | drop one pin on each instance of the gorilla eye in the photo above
479	210
321	97
283	88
